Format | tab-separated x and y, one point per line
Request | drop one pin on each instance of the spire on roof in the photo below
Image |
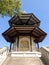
24	12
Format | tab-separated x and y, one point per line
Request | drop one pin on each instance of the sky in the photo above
40	8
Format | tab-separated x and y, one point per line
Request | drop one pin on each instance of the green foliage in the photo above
10	7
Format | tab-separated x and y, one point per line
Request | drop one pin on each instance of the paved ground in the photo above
23	61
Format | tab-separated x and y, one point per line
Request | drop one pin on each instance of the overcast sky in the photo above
41	10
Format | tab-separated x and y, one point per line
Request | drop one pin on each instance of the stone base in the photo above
26	54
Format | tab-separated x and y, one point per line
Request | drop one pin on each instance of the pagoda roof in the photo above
24	19
34	31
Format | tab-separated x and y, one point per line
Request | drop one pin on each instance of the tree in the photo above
10	7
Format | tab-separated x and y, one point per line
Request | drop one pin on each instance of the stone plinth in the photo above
26	54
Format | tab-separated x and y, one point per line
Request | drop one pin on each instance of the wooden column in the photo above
38	45
30	43
10	47
17	43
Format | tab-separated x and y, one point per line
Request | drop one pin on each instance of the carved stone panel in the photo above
24	44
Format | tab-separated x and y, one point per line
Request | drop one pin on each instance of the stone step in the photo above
23	61
26	54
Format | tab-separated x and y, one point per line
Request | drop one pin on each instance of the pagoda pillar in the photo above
33	45
15	45
38	45
10	47
30	44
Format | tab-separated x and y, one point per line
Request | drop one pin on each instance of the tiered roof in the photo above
26	24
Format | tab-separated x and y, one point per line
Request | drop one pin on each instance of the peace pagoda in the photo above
24	36
24	33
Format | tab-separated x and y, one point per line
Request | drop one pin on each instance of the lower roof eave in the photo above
13	31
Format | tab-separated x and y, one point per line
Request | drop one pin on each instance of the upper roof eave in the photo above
27	14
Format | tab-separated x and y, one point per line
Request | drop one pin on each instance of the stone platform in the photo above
23	58
23	61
